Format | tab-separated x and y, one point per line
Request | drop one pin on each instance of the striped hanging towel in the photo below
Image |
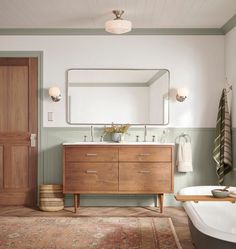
222	152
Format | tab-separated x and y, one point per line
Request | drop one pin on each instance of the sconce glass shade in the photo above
55	93
182	94
118	26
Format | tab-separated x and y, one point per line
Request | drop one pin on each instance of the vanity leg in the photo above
75	202
160	199
78	200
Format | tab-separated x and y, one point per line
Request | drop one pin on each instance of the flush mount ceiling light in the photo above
118	25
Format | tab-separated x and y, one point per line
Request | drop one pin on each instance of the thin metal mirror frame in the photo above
102	124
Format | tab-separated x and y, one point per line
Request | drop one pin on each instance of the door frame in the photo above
39	56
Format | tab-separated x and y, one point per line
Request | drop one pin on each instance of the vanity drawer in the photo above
145	177
91	177
91	154
145	154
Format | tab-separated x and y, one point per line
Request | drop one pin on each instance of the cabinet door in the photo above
91	154
90	177
145	177
145	154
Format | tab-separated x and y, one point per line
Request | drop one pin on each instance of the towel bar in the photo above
185	136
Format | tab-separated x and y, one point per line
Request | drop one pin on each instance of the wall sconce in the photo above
182	94
55	93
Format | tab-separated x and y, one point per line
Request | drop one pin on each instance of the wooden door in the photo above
18	120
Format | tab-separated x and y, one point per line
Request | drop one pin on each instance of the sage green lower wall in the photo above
50	166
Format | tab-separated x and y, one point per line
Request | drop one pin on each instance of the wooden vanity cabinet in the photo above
118	169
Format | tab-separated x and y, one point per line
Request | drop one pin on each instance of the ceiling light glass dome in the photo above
118	25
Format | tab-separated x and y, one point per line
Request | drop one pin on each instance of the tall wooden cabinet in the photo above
118	169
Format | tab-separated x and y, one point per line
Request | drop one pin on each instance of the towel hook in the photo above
228	87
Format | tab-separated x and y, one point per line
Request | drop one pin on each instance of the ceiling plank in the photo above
92	14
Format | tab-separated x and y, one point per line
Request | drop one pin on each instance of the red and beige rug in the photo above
87	233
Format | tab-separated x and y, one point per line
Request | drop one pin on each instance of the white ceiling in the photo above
93	13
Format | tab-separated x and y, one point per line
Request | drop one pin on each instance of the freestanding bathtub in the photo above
212	224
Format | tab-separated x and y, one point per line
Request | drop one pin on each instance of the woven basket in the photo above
51	198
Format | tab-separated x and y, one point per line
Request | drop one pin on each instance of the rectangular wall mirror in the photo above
119	96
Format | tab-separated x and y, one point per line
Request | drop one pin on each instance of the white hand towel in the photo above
184	157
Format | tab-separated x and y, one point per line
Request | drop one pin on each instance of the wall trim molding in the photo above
91	32
229	25
16	53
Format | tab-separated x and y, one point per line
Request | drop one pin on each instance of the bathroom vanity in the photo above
113	168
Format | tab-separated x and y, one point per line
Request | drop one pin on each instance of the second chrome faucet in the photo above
92	133
145	134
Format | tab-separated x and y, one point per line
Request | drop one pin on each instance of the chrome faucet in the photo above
145	134
102	137
153	138
92	133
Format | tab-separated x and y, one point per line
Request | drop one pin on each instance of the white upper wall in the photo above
195	62
230	65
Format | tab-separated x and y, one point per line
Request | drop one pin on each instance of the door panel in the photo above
3	99
14	109
1	167
18	119
16	173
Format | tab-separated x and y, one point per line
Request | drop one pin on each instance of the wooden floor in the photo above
177	215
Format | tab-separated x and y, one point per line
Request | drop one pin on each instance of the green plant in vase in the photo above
117	132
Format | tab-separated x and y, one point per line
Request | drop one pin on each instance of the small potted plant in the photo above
117	132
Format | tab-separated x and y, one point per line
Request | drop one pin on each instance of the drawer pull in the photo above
145	171
91	171
144	154
91	154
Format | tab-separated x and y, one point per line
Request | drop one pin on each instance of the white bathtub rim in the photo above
200	224
204	228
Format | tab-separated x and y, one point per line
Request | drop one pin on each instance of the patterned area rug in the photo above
87	233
